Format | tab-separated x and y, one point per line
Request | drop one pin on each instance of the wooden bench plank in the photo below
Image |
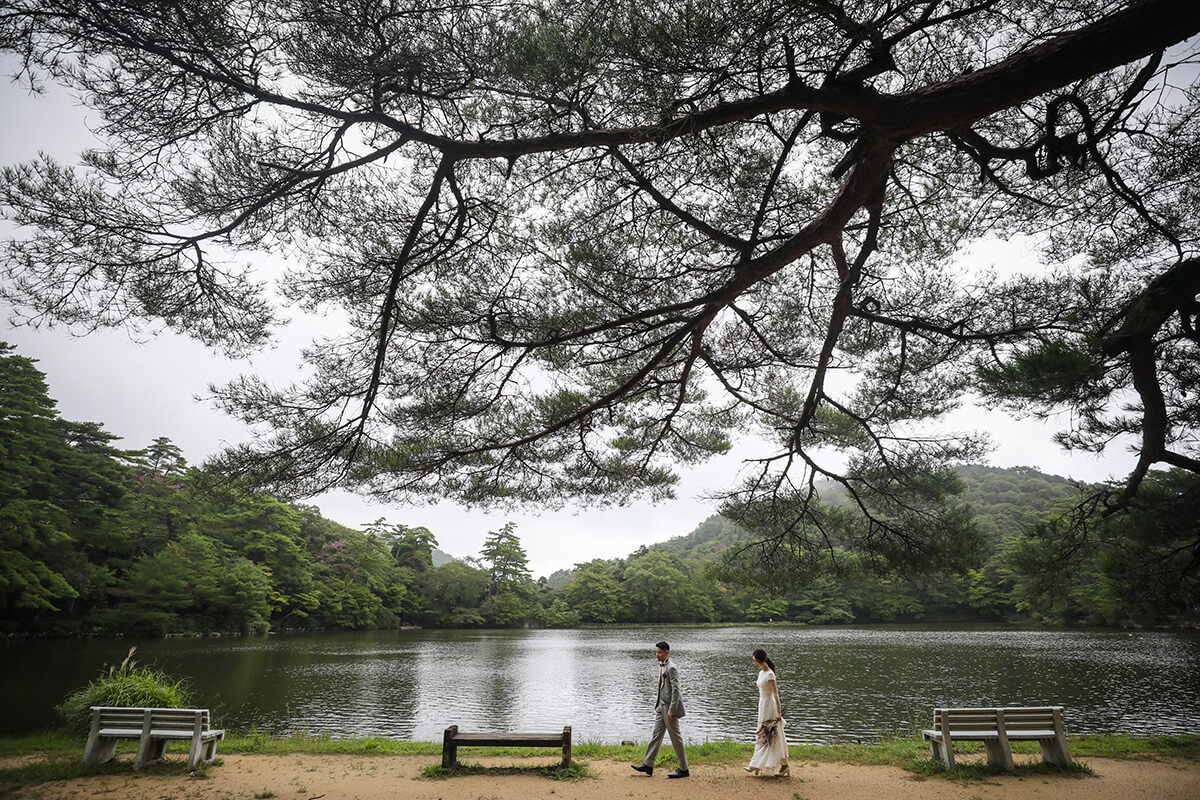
452	739
505	739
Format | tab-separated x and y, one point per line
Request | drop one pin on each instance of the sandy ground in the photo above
341	777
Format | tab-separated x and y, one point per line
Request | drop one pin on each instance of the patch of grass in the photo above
15	779
707	753
49	742
63	751
202	769
896	752
257	742
912	754
127	685
1121	746
975	771
58	768
576	772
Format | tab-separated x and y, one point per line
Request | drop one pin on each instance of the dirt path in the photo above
341	777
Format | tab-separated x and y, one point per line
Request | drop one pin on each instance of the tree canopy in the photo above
576	244
98	540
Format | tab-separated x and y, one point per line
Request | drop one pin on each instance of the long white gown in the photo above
770	758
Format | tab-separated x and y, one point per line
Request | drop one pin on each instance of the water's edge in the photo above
842	684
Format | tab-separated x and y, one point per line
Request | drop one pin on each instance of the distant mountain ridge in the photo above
1004	499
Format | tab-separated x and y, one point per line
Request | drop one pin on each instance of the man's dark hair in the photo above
663	646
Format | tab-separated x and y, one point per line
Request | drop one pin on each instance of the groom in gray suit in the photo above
668	708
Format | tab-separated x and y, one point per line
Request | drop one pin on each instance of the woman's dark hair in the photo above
761	655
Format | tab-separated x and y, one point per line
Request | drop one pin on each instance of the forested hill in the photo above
1004	501
98	540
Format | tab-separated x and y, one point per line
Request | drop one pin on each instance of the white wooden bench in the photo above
996	727
154	728
453	739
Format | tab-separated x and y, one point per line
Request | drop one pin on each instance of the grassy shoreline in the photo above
898	751
57	756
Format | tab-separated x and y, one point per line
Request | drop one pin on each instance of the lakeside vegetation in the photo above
55	755
96	540
894	750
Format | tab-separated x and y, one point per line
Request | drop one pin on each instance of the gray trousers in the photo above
661	726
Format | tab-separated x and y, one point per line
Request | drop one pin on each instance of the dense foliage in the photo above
127	685
101	540
578	244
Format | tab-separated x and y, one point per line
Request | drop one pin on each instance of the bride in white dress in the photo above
770	746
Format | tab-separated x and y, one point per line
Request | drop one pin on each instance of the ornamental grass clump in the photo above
126	685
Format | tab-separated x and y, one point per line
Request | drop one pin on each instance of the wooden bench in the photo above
153	728
996	727
454	739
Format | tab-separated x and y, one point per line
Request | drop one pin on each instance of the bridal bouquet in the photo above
768	731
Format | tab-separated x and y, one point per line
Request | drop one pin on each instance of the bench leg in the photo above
99	750
566	762
449	748
195	755
1055	752
143	752
941	750
999	754
91	751
149	751
159	751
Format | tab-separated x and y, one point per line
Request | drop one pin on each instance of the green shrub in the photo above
126	685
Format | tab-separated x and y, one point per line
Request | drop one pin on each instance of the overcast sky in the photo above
141	385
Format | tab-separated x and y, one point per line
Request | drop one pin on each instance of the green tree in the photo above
595	597
660	589
454	593
511	589
505	559
358	582
196	584
267	532
1136	567
748	200
60	489
412	547
767	609
557	613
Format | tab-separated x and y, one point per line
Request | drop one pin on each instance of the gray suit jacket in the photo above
668	691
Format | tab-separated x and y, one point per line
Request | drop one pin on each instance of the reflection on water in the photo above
837	684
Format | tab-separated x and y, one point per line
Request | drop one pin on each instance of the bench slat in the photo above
157	723
1007	709
130	733
991	723
139	710
980	735
506	740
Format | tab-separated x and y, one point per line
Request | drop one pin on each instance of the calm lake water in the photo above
837	684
